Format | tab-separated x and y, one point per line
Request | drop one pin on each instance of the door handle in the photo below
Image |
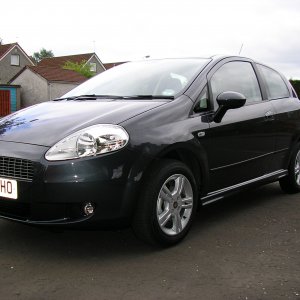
269	116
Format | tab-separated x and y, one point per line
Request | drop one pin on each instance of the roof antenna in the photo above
241	48
94	44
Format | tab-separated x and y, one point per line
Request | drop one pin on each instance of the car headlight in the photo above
91	141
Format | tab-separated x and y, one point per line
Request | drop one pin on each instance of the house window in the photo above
15	60
93	67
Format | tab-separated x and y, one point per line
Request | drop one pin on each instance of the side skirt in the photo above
220	194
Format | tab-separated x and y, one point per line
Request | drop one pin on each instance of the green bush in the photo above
83	68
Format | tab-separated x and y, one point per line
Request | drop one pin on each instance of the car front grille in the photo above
16	168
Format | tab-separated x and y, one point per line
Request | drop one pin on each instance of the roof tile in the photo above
58	74
5	48
59	61
111	65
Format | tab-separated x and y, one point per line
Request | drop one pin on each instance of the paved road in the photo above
247	247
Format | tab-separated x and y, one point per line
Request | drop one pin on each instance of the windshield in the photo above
165	77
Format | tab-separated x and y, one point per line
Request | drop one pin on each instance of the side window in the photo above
276	87
238	77
202	103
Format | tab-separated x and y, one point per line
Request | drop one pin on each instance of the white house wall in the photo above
99	67
7	71
57	89
34	88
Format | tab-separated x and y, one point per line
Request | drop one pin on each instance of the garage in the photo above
9	99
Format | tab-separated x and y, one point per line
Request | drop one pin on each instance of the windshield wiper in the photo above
95	97
148	97
89	97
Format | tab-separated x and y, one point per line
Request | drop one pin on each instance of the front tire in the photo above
167	204
291	183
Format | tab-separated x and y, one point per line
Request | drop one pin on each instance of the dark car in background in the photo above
146	143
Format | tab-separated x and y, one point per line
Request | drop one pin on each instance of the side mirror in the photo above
228	100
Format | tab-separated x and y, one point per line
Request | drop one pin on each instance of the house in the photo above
90	58
9	99
12	60
43	83
113	64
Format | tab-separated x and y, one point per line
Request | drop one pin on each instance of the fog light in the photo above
88	209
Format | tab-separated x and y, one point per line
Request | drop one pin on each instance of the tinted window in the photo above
276	88
237	77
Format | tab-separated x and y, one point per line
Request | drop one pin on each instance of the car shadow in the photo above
18	239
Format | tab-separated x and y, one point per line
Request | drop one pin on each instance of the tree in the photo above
43	53
296	85
83	68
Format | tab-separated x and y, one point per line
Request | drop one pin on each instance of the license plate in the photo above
8	188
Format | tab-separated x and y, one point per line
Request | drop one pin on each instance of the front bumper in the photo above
58	191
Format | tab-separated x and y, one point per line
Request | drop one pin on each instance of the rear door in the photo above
286	106
241	147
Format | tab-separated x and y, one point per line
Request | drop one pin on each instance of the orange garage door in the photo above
4	103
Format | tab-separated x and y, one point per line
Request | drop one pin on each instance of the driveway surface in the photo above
244	247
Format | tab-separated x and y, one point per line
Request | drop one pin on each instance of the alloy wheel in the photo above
174	204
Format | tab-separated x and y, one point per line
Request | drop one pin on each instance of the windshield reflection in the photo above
166	77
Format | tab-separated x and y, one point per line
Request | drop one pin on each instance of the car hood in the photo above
47	123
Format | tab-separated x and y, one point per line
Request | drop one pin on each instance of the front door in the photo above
241	146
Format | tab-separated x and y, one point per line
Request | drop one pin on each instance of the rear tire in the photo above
291	183
167	204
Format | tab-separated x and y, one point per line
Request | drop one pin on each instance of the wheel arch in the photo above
193	157
191	154
293	147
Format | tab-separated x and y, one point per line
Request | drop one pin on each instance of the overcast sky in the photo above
131	29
